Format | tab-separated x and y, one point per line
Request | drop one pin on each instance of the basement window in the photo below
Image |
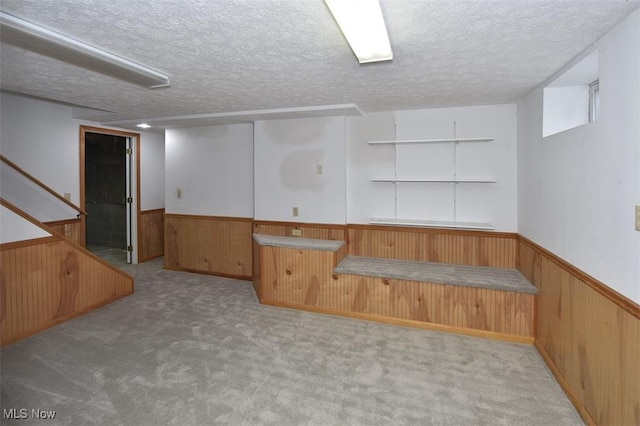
572	99
594	100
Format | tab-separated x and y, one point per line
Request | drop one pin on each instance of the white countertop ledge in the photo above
297	242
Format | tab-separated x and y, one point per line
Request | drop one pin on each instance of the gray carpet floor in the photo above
190	349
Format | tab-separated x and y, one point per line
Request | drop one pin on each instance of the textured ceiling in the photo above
230	56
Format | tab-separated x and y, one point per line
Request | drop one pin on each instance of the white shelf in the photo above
452	179
432	224
435	180
418	141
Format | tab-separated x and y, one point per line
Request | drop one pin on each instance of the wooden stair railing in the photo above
41	184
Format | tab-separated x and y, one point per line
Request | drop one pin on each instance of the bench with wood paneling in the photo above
317	275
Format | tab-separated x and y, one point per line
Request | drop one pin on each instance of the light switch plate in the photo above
319	169
296	212
67	196
637	218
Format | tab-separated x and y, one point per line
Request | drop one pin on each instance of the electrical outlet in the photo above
319	169
296	232
637	218
178	193
296	212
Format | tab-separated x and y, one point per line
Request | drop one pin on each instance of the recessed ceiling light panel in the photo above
363	26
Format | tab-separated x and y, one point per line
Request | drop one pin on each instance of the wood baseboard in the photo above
565	386
403	322
150	258
214	274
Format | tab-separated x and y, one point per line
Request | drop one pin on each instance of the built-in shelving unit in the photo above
434	180
426	141
455	181
432	223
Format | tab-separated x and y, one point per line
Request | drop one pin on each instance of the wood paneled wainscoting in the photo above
70	229
208	245
588	334
304	278
302	230
318	231
151	235
46	281
475	248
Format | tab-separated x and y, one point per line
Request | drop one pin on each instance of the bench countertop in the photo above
297	243
440	273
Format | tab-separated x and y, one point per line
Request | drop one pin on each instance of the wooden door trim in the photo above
83	221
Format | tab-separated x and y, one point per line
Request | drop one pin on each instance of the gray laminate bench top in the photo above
297	243
440	273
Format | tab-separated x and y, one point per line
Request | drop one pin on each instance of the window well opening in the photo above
573	99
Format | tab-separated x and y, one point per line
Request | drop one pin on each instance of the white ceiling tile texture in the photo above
240	55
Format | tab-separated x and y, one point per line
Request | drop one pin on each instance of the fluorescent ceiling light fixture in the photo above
362	24
44	41
143	125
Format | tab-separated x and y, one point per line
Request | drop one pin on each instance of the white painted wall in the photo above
494	203
151	171
577	189
366	199
15	228
213	168
31	198
43	139
287	154
34	132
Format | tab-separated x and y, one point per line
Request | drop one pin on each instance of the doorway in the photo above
108	180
